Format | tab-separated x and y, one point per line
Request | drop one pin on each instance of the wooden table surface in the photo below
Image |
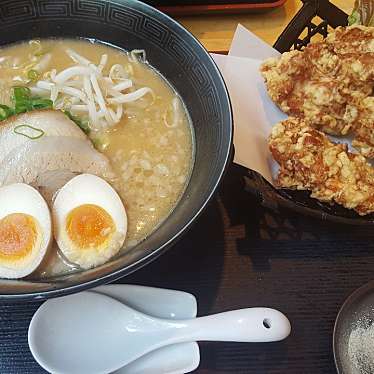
216	31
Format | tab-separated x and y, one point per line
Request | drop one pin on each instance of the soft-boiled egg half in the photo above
25	230
90	221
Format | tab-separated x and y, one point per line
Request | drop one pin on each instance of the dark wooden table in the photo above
237	255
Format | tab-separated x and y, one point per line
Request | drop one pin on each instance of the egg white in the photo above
81	190
22	198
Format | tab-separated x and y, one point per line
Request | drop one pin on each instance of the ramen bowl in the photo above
186	65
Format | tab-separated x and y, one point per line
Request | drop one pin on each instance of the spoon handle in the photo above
243	325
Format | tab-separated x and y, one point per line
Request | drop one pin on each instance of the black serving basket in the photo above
313	19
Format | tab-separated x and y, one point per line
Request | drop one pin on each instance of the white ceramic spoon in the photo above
163	303
92	333
173	359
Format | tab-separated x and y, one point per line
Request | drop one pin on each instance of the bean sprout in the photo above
127	98
42	65
86	89
175	114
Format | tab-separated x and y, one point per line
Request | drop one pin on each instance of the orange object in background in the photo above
191	7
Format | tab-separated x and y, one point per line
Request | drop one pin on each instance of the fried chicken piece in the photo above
364	128
310	161
352	39
354	46
325	83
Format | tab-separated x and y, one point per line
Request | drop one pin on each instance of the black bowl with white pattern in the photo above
184	63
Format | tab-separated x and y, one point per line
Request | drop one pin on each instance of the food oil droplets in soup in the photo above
151	148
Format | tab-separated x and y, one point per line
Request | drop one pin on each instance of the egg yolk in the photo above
18	234
89	226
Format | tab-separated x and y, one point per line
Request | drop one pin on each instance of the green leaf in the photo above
79	122
37	103
21	93
5	112
21	98
23	102
363	13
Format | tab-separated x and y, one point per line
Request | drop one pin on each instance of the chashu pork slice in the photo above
47	122
49	162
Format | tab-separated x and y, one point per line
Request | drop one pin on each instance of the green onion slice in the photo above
30	132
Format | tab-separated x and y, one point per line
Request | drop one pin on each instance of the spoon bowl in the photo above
162	303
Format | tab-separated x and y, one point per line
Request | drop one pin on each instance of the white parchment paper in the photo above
254	112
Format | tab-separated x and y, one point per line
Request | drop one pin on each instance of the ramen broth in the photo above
150	151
